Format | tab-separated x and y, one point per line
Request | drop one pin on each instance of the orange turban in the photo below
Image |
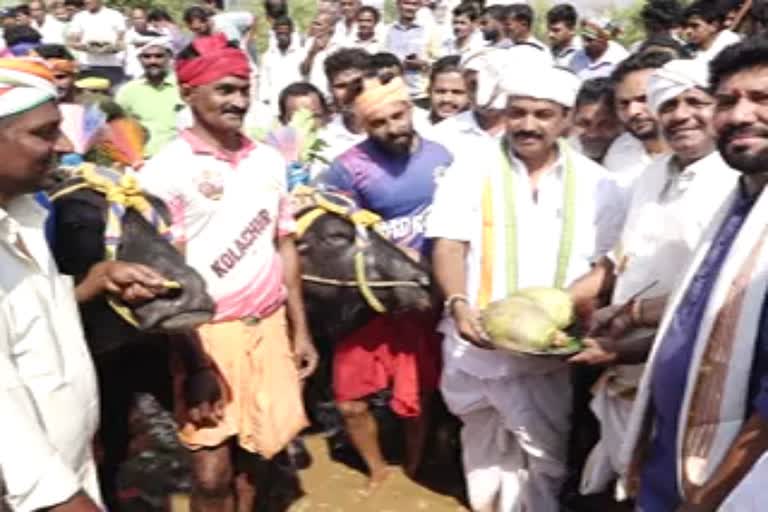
376	94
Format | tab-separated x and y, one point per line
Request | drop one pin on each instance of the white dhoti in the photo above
514	437
612	405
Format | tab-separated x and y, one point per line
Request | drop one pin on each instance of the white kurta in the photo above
668	213
48	394
515	410
462	131
626	158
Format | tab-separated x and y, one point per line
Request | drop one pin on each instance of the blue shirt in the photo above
399	188
658	478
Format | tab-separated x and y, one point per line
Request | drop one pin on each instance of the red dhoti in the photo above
401	351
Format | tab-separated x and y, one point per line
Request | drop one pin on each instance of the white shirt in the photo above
105	25
317	75
586	68
626	159
233	24
52	31
461	130
372	45
535	42
423	125
669	211
48	394
457	215
279	70
228	210
338	138
723	39
473	44
344	35
564	55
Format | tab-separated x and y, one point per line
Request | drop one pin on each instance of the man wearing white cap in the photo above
154	98
567	213
483	72
673	202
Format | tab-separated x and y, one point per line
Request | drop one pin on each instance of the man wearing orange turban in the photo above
393	173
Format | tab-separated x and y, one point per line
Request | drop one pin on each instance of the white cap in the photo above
674	78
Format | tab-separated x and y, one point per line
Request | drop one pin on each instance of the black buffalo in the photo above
129	359
327	249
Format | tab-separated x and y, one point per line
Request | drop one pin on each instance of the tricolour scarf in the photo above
490	229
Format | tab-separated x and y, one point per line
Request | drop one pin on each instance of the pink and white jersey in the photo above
228	210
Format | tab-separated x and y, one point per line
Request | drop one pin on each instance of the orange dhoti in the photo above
260	382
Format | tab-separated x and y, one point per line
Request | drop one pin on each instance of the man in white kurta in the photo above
48	397
673	202
515	411
632	152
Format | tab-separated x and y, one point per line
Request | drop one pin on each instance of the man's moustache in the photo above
526	134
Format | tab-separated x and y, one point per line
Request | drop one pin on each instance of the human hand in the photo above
305	355
611	321
469	326
594	354
131	282
203	398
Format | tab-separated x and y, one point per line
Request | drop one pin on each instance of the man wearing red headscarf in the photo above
231	217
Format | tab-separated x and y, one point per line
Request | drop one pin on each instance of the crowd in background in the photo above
630	177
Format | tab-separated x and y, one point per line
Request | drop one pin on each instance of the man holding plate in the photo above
527	211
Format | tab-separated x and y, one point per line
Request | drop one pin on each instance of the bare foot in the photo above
377	478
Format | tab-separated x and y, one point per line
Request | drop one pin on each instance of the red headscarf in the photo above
215	61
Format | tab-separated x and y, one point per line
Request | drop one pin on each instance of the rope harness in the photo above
122	193
315	204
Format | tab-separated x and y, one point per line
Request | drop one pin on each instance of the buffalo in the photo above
133	357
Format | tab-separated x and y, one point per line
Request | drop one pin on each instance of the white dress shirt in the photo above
457	215
48	394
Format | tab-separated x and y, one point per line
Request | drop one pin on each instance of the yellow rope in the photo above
362	281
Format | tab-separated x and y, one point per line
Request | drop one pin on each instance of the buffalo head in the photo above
332	283
80	219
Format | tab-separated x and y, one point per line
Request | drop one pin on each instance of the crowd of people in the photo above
630	177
